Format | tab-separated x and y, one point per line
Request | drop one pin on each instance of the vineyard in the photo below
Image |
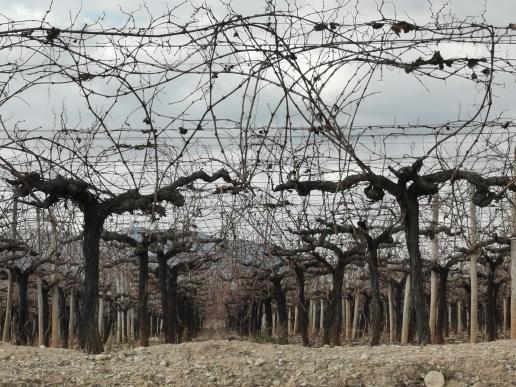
329	176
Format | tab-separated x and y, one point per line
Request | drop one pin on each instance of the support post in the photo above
321	318
71	320
433	272
473	270
56	326
41	328
348	319
8	310
513	259
355	315
407	304
460	327
101	316
391	314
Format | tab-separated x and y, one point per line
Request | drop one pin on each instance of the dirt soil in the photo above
242	363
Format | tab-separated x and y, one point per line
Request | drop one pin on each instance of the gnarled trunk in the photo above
143	296
268	315
442	282
492	292
23	328
302	309
376	307
410	208
331	331
89	334
281	302
167	281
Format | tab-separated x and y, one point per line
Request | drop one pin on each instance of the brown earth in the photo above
242	363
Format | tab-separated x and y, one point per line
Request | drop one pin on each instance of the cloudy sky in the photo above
394	97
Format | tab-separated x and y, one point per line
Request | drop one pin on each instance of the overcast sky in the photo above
397	98
494	11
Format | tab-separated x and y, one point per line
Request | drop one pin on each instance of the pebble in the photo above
248	364
434	379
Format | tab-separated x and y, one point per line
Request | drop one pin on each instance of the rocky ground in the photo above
242	363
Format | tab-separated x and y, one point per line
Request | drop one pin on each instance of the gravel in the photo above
243	363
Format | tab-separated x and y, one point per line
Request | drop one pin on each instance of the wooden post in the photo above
56	326
101	316
433	273
343	318
274	321
355	315
407	305
391	314
124	326
289	319
460	327
450	324
41	328
118	327
348	319
296	319
311	318
473	270
71	321
8	310
133	336
321	318
6	334
128	324
513	259
505	315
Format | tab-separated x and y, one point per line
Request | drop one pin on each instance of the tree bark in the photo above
398	308
143	296
167	280
281	303
391	314
411	212
302	306
332	322
433	274
41	326
513	259
63	318
491	312
473	272
71	321
23	331
442	302
171	319
56	326
268	316
460	327
375	305
89	335
505	315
